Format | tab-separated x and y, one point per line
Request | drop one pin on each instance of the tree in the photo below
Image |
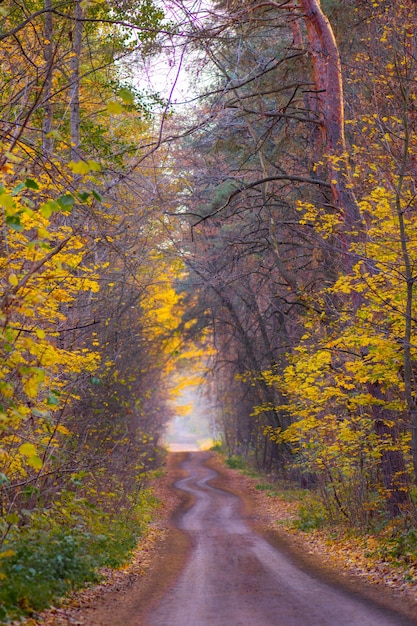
296	212
87	347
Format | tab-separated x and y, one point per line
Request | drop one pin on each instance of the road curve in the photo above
234	577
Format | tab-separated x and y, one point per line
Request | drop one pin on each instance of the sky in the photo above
174	72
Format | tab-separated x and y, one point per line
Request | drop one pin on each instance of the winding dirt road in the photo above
213	569
234	577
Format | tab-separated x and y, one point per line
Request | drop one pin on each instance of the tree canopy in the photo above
261	234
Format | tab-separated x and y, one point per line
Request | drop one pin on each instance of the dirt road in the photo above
234	577
212	569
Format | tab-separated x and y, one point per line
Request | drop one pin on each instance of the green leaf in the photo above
52	399
39	372
18	189
54	134
48	208
127	96
12	518
13	221
12	157
66	202
83	196
39	413
28	202
3	479
97	195
31	184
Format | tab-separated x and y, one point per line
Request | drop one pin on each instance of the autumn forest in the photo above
256	240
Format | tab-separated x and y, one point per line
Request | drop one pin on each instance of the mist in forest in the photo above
192	428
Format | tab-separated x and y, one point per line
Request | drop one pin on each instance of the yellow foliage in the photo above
37	275
328	382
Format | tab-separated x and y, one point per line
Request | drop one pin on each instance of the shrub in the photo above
61	549
311	516
235	462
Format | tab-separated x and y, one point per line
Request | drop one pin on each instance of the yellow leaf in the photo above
12	157
94	166
35	462
13	280
114	107
63	430
42	232
79	167
6	201
27	449
7	553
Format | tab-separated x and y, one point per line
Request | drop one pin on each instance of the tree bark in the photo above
329	86
74	91
394	472
47	89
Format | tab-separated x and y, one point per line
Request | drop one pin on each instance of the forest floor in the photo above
336	555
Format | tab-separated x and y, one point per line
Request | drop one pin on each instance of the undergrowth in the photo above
62	548
391	541
236	462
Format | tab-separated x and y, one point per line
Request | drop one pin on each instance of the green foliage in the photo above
236	462
46	565
400	547
311	516
63	548
263	487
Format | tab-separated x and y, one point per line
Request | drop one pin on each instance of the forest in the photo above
257	240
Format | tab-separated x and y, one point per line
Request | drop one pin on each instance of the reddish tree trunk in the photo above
329	86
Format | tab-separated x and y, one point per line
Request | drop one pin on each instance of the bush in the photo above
400	548
263	487
311	516
45	565
235	462
62	549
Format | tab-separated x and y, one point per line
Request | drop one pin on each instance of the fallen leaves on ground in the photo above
336	546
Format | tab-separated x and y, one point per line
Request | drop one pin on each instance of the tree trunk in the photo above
74	91
394	473
329	86
47	89
401	206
